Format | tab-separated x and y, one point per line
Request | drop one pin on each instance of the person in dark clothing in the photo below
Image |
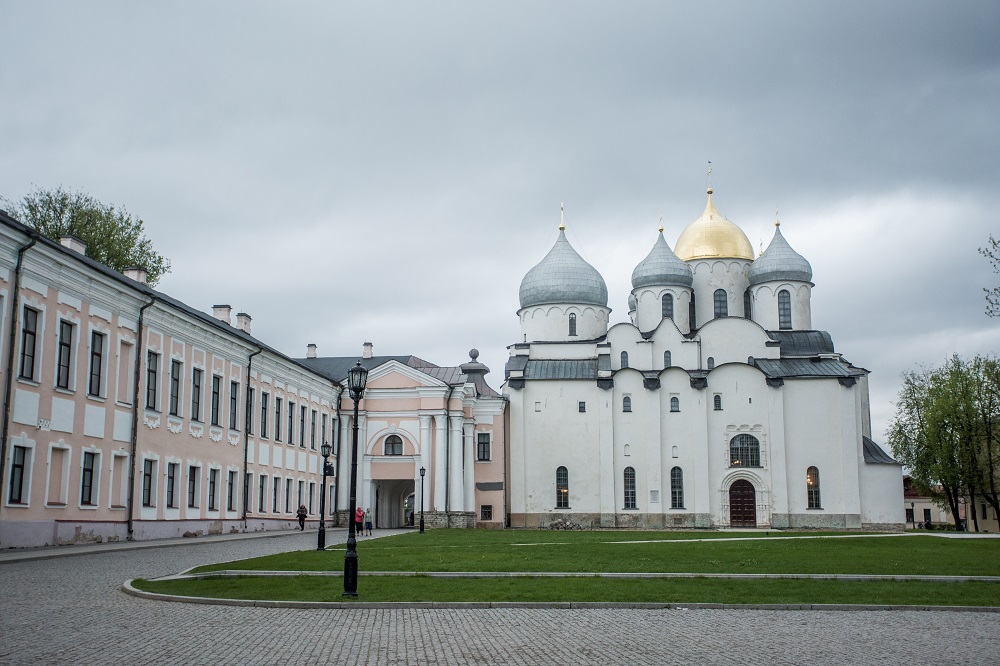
302	513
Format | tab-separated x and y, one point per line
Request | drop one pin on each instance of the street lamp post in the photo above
422	472
356	379
324	449
913	514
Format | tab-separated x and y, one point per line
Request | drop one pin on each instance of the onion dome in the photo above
780	262
633	303
563	277
661	267
712	236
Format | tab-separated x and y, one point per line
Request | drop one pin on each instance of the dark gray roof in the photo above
561	369
805	368
874	455
337	367
803	343
563	276
146	290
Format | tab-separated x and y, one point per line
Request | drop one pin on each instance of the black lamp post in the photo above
913	514
422	472
321	538
356	380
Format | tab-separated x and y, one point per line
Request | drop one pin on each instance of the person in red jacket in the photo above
359	522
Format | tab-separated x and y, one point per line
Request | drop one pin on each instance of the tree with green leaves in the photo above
113	236
992	252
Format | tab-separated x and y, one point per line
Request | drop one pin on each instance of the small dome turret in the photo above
780	262
563	277
661	267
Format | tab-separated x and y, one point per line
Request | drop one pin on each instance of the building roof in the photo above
661	267
874	455
712	236
806	368
336	368
563	276
803	343
780	262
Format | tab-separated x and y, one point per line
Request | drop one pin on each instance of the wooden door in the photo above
742	504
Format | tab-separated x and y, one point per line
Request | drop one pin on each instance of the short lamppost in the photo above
356	380
422	472
325	449
913	514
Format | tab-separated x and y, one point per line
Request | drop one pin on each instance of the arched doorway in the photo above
742	504
390	502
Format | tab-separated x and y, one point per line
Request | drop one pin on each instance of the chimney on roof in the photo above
73	243
311	350
222	312
368	350
137	273
243	322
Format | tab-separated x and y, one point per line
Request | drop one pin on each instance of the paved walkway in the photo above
56	610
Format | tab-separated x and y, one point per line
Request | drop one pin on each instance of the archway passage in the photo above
390	505
742	504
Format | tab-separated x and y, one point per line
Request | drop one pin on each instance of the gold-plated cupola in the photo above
712	236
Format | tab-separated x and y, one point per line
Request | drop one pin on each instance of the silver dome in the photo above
563	277
780	262
661	267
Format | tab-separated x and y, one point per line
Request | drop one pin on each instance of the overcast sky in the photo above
390	171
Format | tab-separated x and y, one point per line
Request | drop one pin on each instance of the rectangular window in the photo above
216	397
125	376
302	428
234	405
927	515
65	354
193	486
482	446
196	394
29	338
87	481
277	419
312	494
984	511
909	515
322	431
250	403
213	490
291	422
17	478
264	406
582	406
147	482
288	495
231	492
175	388
312	431
171	485
152	366
96	363
262	494
486	512
275	495
302	493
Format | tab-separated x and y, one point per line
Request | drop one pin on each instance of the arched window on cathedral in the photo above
744	451
393	445
721	303
675	404
572	324
812	488
784	310
676	488
626	404
747	310
629	488
667	306
562	488
624	359
717	402
711	362
692	314
666	359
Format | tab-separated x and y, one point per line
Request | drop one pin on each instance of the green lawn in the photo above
626	552
668	552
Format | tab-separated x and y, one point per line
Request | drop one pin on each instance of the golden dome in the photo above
712	236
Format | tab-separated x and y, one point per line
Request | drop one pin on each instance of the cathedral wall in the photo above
712	274
765	304
734	340
552	322
649	311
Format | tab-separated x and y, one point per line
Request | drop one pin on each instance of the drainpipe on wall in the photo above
246	436
15	300
135	416
336	476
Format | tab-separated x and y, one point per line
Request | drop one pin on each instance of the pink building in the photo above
128	414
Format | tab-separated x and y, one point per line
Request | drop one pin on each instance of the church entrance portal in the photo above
390	502
742	504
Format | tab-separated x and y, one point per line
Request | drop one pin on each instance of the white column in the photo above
470	466
456	499
439	475
344	479
425	462
364	464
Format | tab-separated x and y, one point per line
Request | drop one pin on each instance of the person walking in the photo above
301	514
359	522
368	521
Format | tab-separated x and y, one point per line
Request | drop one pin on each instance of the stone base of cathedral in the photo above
623	520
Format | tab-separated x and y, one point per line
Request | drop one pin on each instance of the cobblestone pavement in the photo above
72	610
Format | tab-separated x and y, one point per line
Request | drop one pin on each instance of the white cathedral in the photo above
716	405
